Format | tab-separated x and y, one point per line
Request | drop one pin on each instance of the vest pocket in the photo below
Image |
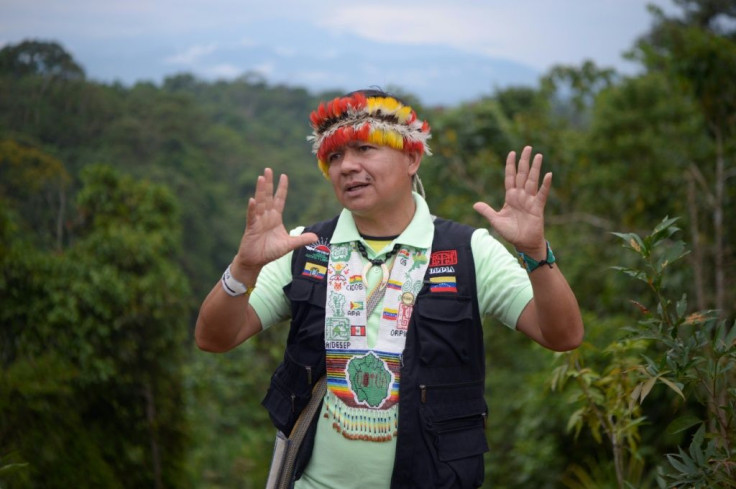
454	433
308	299
307	290
290	391
444	328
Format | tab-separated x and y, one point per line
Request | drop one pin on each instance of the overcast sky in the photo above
145	39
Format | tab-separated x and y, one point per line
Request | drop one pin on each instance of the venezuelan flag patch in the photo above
442	284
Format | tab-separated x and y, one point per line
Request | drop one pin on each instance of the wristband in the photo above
234	287
530	264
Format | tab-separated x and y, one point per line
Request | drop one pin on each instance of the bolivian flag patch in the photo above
442	284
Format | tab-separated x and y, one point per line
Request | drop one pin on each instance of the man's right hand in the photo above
265	238
224	321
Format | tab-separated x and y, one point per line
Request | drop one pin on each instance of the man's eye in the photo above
333	157
365	147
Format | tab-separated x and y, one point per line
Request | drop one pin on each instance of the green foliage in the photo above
469	145
42	58
91	345
693	354
697	356
233	432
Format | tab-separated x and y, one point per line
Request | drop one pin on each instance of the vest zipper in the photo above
423	388
309	375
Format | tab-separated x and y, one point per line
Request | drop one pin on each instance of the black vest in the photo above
442	410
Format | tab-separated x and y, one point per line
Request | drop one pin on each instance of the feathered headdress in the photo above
379	120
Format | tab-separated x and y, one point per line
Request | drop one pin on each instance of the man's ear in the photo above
415	160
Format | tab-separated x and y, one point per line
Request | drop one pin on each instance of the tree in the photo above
47	59
93	343
699	54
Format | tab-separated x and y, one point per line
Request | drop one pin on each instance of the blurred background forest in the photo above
120	207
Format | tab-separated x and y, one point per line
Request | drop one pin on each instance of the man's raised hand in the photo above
521	219
265	238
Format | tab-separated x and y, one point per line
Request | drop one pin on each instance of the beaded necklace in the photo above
375	295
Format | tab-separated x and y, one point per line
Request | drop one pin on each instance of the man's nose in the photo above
351	161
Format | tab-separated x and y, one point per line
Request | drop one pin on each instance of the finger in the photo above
544	189
509	179
532	183
522	172
485	210
302	240
279	200
268	188
251	213
259	197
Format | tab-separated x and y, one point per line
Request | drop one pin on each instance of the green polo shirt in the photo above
503	292
503	286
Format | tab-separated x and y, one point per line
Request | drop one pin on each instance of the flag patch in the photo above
393	284
442	284
390	314
314	270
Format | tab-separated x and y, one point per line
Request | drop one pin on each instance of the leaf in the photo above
6	470
682	423
636	392
575	421
666	225
647	387
633	241
678	465
673	386
641	307
695	447
681	306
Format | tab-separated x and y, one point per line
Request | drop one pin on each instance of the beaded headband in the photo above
379	120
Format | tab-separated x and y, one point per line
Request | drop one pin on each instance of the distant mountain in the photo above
299	55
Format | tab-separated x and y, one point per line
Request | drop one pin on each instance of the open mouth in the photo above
353	187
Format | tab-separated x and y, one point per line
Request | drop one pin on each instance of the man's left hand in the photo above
521	219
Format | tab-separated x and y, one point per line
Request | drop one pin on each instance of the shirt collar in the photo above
418	234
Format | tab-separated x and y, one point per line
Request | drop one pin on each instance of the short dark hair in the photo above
377	92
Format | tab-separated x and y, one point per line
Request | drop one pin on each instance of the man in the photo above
386	301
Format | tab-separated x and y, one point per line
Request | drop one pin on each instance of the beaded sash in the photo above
362	381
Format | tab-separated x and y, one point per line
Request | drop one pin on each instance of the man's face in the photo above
370	179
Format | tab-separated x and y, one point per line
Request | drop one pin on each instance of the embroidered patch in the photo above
314	270
338	276
442	284
443	258
370	379
390	314
320	250
394	284
406	306
438	270
337	329
357	331
340	252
